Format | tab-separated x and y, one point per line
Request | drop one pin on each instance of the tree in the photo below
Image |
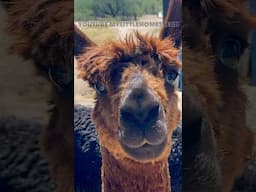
87	9
105	8
83	9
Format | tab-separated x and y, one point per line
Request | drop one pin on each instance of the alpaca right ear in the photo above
82	51
92	65
81	41
172	22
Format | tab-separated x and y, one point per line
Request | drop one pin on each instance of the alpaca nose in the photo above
140	108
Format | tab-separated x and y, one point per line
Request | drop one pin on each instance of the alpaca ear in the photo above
92	65
172	22
85	50
81	41
234	11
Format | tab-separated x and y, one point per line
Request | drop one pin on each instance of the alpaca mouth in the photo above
144	143
146	151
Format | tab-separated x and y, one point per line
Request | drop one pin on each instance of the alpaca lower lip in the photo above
136	137
146	151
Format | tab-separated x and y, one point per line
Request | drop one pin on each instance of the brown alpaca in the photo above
136	110
207	24
221	126
43	31
231	26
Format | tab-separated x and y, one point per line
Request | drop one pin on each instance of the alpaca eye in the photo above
231	48
171	76
60	76
100	88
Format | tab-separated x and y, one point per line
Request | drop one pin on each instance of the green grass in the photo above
100	34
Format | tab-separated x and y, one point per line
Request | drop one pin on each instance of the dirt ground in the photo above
84	95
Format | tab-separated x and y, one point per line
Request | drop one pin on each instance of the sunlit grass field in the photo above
100	34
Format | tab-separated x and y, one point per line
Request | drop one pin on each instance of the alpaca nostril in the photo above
143	116
153	112
127	116
140	108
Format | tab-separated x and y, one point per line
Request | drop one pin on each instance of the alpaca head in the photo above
136	102
42	35
224	27
229	26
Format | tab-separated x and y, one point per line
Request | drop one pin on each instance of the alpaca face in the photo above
143	109
136	82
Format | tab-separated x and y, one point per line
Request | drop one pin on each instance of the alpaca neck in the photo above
57	140
127	175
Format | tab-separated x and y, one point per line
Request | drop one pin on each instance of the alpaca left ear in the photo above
81	41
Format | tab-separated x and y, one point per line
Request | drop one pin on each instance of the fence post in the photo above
253	50
165	7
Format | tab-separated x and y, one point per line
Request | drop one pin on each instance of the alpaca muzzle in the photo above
143	129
